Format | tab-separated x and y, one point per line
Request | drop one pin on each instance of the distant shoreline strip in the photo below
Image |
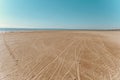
47	29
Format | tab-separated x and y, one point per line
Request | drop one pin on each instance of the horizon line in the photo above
49	29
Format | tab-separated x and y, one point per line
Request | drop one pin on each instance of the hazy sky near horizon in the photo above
60	14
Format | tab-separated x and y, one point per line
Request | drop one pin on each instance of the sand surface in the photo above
60	55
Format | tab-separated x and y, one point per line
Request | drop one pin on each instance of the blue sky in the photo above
78	14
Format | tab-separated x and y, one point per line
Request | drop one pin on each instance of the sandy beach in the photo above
60	55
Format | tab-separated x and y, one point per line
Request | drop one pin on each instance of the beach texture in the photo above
60	55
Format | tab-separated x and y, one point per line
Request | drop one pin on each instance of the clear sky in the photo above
77	14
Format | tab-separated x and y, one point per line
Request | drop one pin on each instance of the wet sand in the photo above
60	55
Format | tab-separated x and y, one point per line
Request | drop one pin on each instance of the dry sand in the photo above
60	55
